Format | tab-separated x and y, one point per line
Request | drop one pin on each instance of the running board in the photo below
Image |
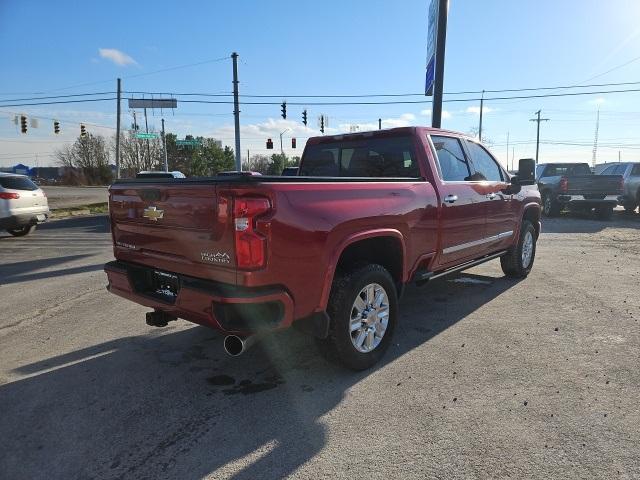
421	278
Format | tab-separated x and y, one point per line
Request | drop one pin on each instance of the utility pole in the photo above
618	156
436	118
513	158
248	160
146	126
595	141
538	120
480	125
135	129
379	124
118	130
507	150
236	110
164	146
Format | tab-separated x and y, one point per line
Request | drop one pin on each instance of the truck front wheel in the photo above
363	308
518	261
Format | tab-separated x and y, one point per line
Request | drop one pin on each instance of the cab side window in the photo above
485	166
451	159
636	170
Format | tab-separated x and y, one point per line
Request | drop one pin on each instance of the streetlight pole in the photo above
282	133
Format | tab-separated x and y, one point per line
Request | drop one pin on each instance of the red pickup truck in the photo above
328	250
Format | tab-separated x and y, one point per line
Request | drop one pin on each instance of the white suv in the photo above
22	204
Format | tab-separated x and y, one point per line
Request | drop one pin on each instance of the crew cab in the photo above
574	187
329	250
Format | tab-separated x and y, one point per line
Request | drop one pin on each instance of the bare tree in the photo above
136	157
89	157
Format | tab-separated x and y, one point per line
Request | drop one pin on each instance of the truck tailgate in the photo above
177	228
596	185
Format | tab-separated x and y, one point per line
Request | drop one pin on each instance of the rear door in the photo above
181	228
463	215
500	210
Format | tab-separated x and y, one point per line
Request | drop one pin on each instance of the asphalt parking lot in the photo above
487	377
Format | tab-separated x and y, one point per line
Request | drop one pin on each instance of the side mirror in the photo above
526	171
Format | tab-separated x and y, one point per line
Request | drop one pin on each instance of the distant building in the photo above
19	169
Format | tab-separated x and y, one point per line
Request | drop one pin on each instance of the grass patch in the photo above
89	209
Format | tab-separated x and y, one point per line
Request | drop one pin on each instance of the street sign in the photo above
432	35
146	135
153	103
188	143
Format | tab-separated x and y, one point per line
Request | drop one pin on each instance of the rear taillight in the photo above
564	184
250	244
621	185
9	195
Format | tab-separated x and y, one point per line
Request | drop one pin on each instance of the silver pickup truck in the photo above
630	172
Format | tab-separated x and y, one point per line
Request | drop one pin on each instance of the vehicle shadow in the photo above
576	222
170	404
90	224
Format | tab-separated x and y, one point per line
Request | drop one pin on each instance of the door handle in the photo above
491	196
451	198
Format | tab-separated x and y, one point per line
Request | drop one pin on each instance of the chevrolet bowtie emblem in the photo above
152	213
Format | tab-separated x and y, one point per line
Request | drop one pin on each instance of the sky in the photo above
290	48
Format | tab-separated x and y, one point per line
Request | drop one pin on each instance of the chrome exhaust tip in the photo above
236	346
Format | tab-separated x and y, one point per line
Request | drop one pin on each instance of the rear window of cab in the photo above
374	157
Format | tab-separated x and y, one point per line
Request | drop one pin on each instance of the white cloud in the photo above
476	110
445	113
597	101
116	56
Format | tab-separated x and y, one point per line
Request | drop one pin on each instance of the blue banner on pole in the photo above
432	35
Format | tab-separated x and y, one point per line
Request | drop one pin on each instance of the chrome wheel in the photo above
547	205
527	249
369	317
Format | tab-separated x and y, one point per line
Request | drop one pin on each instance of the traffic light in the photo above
23	123
322	123
269	144
56	127
83	130
293	143
284	110
304	117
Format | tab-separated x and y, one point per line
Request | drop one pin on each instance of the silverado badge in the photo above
152	213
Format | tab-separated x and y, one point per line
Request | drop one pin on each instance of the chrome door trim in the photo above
475	243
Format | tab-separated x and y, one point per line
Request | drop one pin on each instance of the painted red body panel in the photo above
309	226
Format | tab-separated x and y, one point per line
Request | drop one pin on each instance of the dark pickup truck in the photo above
328	250
572	186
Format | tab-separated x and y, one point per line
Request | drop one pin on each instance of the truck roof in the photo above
385	133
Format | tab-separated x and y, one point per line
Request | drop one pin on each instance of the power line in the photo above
372	95
58	102
57	96
131	76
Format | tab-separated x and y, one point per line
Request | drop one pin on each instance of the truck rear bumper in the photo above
585	200
225	307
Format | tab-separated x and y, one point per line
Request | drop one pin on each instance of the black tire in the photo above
604	213
512	262
347	286
21	232
550	208
629	207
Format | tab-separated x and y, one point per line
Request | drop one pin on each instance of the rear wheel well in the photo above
532	214
385	251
